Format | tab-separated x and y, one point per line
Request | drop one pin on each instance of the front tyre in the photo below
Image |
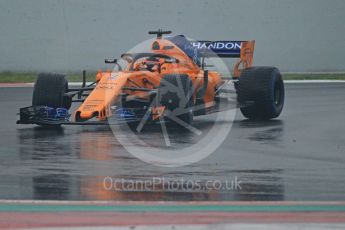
49	90
261	93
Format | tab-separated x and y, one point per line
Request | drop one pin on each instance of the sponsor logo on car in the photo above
220	45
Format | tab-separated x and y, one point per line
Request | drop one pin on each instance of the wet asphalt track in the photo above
300	156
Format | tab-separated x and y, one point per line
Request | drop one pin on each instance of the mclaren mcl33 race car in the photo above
171	83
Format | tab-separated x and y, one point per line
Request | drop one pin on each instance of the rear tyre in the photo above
261	93
49	90
175	93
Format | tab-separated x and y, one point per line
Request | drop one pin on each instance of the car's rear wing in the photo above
228	49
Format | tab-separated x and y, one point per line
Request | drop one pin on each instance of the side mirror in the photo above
110	61
113	61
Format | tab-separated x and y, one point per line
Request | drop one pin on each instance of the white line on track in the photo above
98	202
313	81
234	226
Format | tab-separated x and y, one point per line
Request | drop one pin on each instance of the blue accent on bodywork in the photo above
54	114
124	114
181	42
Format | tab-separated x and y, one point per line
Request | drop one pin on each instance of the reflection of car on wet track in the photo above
170	83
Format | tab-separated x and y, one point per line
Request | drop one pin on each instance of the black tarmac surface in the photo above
300	156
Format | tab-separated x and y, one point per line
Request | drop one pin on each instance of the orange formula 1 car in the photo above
169	82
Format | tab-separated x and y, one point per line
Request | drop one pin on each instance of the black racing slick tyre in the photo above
175	93
49	90
261	93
